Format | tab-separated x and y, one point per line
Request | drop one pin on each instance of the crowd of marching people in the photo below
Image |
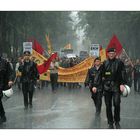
132	70
63	62
25	76
66	62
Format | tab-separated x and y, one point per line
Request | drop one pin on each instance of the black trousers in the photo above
116	99
28	89
2	112
97	98
54	79
129	81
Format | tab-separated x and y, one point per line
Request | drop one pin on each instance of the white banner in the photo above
95	50
27	46
71	55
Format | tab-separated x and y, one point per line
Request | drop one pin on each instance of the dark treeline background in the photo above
18	26
100	27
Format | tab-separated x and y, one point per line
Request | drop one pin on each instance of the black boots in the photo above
117	125
110	126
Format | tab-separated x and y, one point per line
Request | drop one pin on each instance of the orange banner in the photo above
73	74
103	54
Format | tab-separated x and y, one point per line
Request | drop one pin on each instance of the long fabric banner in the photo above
103	55
74	74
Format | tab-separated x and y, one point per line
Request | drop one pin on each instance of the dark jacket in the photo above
129	70
95	78
6	74
114	74
136	71
29	72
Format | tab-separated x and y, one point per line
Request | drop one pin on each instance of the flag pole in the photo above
47	53
128	57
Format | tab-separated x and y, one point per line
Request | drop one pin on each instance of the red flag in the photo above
37	47
115	43
45	66
101	48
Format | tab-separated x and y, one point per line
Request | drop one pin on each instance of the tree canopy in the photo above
18	26
100	26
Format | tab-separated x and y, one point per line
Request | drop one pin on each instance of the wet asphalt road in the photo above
67	108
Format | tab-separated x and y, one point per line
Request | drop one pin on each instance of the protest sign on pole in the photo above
27	46
95	50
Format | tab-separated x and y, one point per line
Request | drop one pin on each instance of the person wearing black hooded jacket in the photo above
6	81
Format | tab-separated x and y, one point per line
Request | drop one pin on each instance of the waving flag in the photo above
115	43
49	44
37	47
45	66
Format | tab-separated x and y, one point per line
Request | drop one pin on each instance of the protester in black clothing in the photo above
129	70
29	77
6	81
113	84
137	76
95	84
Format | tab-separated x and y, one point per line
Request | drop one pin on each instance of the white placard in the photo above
71	55
27	46
94	50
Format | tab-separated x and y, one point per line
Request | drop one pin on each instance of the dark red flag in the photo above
115	43
101	48
45	66
37	47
